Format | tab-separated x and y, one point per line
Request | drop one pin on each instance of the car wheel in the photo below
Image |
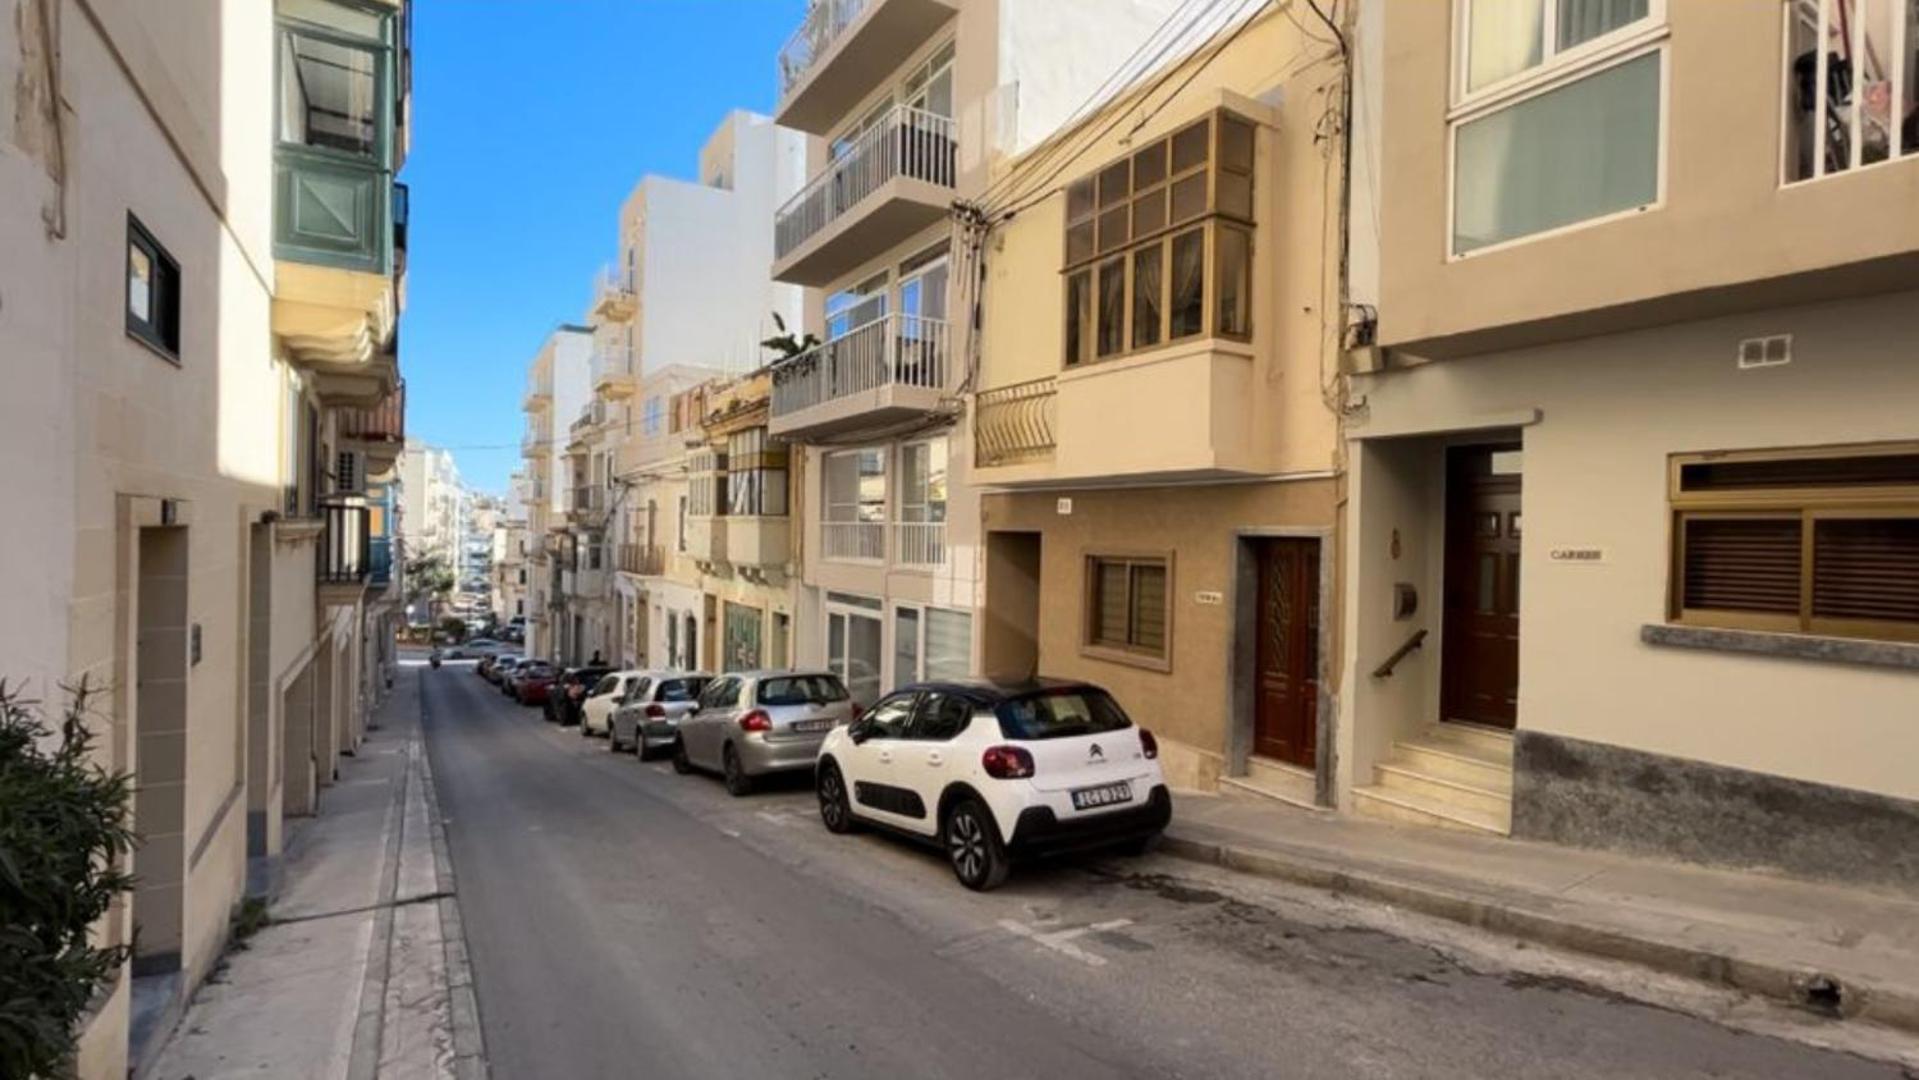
737	782
612	742
973	846
835	812
681	763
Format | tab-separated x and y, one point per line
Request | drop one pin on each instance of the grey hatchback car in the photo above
649	718
753	723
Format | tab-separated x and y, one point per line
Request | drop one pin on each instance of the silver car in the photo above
649	718
749	724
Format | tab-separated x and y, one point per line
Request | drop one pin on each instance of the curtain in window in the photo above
1189	284
1505	38
1146	295
1583	20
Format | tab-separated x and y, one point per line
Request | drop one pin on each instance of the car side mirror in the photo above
857	732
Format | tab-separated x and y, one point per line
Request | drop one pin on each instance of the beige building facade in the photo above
208	401
1151	429
1671	396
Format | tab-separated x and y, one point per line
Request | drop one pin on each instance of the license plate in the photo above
1092	798
808	727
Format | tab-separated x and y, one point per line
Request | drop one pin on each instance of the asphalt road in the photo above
624	921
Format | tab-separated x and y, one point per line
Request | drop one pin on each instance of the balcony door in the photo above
921	331
929	88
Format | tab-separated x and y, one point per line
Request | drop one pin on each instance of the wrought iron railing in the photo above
1014	423
825	21
643	559
908	142
344	554
893	350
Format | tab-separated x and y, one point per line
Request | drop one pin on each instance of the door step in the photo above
1276	780
1471	738
1413	808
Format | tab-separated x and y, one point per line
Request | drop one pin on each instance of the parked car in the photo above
994	772
532	682
474	648
563	704
596	707
649	718
755	723
501	674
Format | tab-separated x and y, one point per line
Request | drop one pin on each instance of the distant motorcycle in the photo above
434	659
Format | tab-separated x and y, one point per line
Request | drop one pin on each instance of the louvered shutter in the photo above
1866	568
1743	564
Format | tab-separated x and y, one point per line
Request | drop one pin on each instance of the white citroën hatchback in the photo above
994	772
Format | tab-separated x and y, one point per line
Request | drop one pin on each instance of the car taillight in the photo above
1148	745
655	711
1007	763
756	721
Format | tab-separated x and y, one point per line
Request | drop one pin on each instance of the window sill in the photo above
1885	654
1148	661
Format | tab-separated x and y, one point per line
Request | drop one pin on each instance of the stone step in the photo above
1449	761
1400	778
1414	809
1470	739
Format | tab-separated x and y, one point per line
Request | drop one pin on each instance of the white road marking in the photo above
777	819
661	769
734	833
1061	941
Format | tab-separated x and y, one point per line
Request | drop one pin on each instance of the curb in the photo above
1801	987
469	1044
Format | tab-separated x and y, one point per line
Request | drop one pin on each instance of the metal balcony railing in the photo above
863	541
893	350
919	543
587	498
385	422
1014	423
345	546
825	21
907	142
644	559
539	383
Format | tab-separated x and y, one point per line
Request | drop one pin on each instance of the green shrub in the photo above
64	831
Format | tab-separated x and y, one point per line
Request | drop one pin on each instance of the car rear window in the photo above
1060	714
801	690
681	689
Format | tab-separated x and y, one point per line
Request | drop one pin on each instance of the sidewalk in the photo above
1840	951
361	971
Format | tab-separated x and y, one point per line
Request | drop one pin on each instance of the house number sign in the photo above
1207	597
1583	555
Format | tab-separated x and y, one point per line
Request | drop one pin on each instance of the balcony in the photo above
534	443
380	562
706	540
854	541
844	50
615	300
344	557
613	376
763	542
642	560
378	432
586	503
539	389
919	543
896	179
895	368
1014	424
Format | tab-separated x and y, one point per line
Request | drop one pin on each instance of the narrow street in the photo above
626	921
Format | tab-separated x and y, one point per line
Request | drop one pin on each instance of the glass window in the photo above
329	95
1079	317
940	717
1112	307
949	644
801	690
923	482
906	645
1575	152
1871	106
1234	274
1504	38
888	719
1148	286
721	693
1060	714
605	686
679	690
755	474
153	291
1188	304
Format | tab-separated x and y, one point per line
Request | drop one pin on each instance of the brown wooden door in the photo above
1286	656
1480	666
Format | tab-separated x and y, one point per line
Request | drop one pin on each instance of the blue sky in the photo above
532	121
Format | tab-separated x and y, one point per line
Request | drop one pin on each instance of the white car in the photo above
993	772
596	712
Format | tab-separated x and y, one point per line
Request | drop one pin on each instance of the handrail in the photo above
1385	670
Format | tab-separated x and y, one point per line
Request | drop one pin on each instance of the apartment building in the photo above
1633	514
509	552
556	386
434	499
188	366
1150	430
909	104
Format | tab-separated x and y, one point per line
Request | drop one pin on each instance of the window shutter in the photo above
1110	604
1743	564
1149	608
1866	568
949	644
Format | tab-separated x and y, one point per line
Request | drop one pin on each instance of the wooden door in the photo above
1479	670
1286	652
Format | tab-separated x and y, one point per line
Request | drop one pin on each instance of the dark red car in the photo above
532	682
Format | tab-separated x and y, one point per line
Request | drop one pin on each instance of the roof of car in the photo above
783	673
992	691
